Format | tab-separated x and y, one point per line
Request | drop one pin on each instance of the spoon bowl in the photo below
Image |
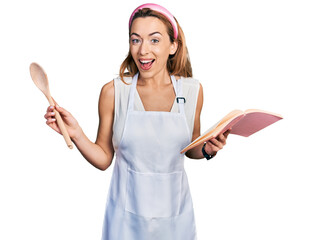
40	78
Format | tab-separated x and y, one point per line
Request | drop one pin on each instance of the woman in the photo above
147	116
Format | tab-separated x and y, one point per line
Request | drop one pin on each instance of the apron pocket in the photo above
153	194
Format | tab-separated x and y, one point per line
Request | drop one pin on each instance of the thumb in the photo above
55	103
57	107
61	110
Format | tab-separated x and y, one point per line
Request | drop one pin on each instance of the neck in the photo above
156	81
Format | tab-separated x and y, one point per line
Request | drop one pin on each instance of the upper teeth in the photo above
145	61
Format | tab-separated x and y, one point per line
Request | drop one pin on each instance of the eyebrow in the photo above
154	33
136	34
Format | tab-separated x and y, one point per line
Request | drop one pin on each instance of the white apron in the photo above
149	197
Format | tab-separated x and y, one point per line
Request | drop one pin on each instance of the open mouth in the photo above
146	64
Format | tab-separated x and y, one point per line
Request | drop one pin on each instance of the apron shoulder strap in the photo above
180	99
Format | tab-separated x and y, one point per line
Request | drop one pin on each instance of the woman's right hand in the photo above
70	122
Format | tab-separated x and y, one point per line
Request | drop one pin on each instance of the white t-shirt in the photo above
190	92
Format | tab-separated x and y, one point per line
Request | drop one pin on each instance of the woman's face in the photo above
150	46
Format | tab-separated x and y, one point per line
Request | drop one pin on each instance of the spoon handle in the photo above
61	125
63	129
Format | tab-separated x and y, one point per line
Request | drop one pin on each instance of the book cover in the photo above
243	123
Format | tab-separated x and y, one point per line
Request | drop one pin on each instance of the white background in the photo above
247	54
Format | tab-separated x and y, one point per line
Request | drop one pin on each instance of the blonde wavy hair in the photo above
177	64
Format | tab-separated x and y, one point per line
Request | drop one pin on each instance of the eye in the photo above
135	41
154	40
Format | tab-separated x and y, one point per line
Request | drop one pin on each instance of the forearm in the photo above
195	153
92	152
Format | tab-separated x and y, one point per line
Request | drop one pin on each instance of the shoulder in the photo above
109	88
190	80
107	91
191	85
119	83
193	89
106	99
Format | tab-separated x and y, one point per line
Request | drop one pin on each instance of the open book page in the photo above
232	115
206	133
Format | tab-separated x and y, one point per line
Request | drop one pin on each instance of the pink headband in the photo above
159	9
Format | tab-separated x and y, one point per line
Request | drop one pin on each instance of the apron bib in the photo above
149	197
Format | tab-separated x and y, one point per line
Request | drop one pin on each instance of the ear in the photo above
173	48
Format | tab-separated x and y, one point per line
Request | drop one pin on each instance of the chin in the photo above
152	73
147	74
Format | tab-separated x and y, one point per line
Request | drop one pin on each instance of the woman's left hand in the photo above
214	145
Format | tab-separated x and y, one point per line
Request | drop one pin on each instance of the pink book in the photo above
243	123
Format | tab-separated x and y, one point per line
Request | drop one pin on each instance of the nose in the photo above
144	48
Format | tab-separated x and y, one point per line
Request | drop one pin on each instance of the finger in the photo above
52	123
50	108
221	138
216	143
227	133
211	148
49	115
50	120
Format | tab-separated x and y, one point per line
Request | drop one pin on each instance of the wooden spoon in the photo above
41	81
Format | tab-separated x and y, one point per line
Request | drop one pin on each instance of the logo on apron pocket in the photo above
153	194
